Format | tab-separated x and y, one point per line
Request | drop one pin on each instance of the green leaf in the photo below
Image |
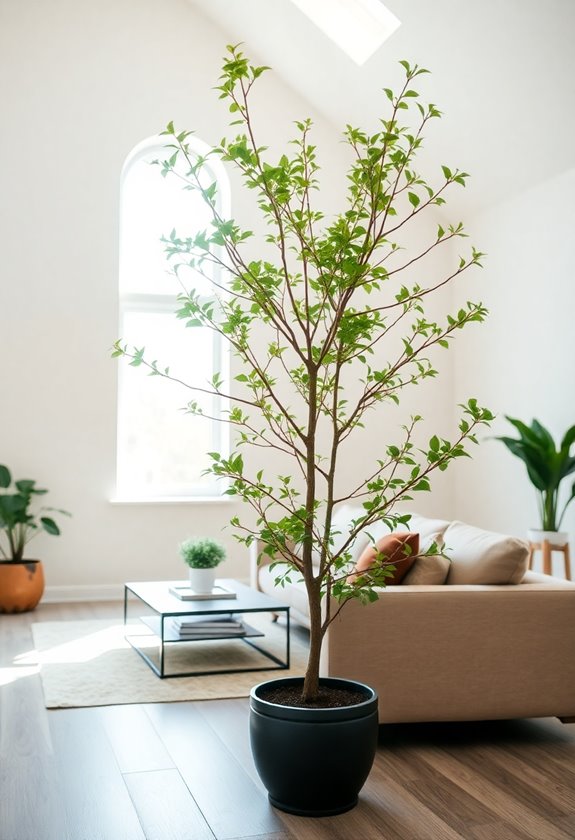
27	487
5	477
49	526
568	439
414	199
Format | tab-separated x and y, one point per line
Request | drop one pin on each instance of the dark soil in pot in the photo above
329	697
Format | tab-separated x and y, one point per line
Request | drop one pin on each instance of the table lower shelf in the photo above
171	635
160	660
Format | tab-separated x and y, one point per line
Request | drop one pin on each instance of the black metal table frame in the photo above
281	665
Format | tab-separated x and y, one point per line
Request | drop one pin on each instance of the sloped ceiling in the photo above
503	73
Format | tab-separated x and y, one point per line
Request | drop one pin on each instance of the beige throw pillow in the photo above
484	557
427	571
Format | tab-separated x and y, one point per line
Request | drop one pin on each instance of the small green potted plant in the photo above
202	556
547	466
21	579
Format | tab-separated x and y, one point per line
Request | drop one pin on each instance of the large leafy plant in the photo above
18	523
547	466
321	305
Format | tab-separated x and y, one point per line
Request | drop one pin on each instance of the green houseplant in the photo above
547	466
326	299
202	556
21	579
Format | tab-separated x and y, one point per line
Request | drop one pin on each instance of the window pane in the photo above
151	207
161	449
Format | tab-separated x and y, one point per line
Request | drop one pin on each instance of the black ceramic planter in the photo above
313	762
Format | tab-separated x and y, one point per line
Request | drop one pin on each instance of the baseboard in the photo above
102	592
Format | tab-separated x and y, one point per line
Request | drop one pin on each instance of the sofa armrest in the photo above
257	559
461	652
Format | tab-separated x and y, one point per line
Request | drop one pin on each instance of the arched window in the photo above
162	450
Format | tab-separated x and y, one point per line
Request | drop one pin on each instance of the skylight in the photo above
358	27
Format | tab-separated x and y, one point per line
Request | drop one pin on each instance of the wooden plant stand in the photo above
546	549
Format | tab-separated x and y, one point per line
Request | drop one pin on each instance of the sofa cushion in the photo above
429	530
293	594
484	557
398	549
431	570
342	519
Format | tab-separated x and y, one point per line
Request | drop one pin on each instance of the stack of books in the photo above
200	626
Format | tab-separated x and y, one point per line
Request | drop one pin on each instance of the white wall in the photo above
521	362
85	82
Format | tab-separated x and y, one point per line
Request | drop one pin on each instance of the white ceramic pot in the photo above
202	580
559	538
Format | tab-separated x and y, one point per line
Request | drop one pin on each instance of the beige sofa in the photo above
454	651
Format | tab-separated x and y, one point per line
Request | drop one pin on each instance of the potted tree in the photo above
307	324
547	466
202	556
21	579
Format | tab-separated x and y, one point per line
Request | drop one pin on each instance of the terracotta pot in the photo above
21	585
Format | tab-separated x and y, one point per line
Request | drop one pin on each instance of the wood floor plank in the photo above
496	831
31	799
546	790
23	722
226	795
400	813
567	824
447	800
135	742
282	835
230	719
98	805
502	802
166	809
405	760
549	746
386	809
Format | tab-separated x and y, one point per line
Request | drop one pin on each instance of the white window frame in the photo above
130	302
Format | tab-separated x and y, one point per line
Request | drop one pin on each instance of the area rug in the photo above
90	663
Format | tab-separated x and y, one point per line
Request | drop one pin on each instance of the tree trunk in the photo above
313	585
311	681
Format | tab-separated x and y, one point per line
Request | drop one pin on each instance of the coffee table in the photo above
165	606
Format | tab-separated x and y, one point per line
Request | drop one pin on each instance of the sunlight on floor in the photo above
89	646
10	675
23	665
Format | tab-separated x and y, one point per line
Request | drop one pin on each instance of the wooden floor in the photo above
183	771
